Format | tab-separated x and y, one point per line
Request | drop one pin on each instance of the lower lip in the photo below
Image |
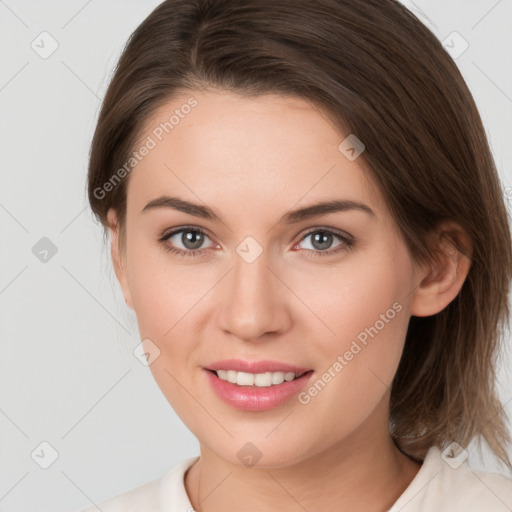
254	398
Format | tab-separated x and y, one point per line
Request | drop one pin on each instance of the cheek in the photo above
352	297
163	290
366	307
166	297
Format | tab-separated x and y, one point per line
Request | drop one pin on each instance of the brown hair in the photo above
379	73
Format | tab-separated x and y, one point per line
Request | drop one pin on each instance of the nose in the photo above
254	301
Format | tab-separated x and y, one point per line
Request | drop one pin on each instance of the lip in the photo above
255	398
240	365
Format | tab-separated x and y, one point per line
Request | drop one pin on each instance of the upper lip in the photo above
240	365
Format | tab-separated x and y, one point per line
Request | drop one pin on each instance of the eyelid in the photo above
172	231
335	231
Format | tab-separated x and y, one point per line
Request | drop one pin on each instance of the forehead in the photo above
241	152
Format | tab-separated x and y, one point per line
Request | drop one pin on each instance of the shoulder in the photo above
166	493
446	483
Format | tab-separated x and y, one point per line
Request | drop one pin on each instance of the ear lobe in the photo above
117	256
444	278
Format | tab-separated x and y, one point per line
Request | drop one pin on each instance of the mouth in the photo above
257	392
261	380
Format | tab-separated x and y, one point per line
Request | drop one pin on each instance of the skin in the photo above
251	160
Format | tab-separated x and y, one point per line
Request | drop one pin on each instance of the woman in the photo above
306	218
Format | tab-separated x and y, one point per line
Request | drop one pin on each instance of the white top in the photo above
438	486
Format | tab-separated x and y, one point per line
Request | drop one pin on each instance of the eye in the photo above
322	240
190	238
193	238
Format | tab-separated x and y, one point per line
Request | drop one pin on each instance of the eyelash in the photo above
347	243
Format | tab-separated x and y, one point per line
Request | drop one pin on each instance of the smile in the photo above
258	390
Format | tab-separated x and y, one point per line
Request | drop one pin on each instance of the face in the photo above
238	283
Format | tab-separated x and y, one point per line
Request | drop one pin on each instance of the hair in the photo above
378	72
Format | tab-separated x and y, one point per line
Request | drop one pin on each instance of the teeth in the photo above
256	379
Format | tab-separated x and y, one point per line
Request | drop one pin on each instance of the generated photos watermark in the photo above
343	360
150	143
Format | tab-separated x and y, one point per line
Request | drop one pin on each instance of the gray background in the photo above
67	373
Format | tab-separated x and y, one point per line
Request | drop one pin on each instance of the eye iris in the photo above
192	239
322	240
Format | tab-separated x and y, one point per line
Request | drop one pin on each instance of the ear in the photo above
441	281
118	257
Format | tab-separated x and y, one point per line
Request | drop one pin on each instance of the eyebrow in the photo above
290	217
